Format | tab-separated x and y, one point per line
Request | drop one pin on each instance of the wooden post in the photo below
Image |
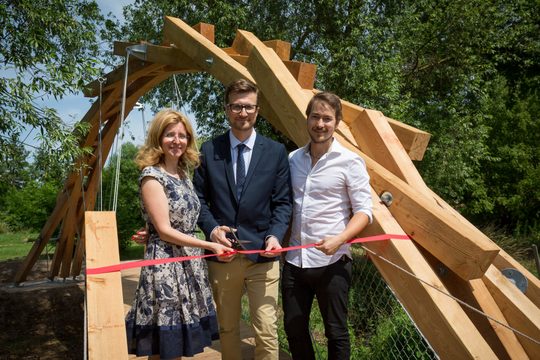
105	309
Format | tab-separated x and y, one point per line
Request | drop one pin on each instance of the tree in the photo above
465	71
48	49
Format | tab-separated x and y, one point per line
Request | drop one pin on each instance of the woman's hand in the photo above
140	237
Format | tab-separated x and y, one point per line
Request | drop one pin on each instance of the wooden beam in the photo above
282	48
304	73
475	294
206	30
104	301
520	312
274	80
414	141
465	250
377	140
136	69
216	62
201	51
241	46
108	136
159	54
433	312
505	261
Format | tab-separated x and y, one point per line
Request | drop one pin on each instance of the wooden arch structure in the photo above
448	253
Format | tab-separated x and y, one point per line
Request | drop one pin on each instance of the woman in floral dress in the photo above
173	314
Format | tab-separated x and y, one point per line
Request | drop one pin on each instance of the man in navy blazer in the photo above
243	184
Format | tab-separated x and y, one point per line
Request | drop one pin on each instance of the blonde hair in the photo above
151	153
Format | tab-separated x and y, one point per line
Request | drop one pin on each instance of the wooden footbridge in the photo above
449	268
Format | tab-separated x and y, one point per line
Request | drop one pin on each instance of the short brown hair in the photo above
151	152
240	86
331	99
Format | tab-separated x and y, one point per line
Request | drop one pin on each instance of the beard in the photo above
320	138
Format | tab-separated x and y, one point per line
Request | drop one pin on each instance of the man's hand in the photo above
218	235
140	237
272	243
329	245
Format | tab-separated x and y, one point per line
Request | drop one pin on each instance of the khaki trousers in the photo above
261	283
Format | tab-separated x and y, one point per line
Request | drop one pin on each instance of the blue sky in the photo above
74	106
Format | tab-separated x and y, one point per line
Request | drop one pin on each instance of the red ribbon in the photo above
140	263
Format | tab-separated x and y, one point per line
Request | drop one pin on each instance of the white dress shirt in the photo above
325	198
248	150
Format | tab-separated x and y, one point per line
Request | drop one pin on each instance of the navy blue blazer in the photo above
265	206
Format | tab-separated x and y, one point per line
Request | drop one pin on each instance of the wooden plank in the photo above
433	312
465	250
106	327
520	312
108	135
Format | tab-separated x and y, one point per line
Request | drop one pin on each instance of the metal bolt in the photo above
387	198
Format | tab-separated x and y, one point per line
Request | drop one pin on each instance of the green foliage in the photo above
128	210
48	49
29	207
465	71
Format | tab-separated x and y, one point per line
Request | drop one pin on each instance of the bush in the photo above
29	207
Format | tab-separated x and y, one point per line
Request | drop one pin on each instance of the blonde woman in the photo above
173	314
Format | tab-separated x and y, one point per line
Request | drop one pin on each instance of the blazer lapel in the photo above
223	152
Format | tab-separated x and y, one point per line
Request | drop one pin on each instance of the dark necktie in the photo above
240	170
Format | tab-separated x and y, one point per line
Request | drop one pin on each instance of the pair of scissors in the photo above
236	244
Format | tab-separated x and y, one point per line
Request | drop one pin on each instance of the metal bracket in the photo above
139	51
516	278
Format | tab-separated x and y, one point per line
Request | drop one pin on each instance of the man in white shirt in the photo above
332	204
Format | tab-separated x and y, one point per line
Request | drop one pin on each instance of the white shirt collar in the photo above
335	147
249	142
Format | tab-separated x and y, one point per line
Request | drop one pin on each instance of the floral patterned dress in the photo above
173	313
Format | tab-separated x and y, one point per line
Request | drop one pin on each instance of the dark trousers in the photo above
330	284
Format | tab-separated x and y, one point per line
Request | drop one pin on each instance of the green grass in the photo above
133	252
16	245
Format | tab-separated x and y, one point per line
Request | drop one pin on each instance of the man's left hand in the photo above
329	245
272	243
